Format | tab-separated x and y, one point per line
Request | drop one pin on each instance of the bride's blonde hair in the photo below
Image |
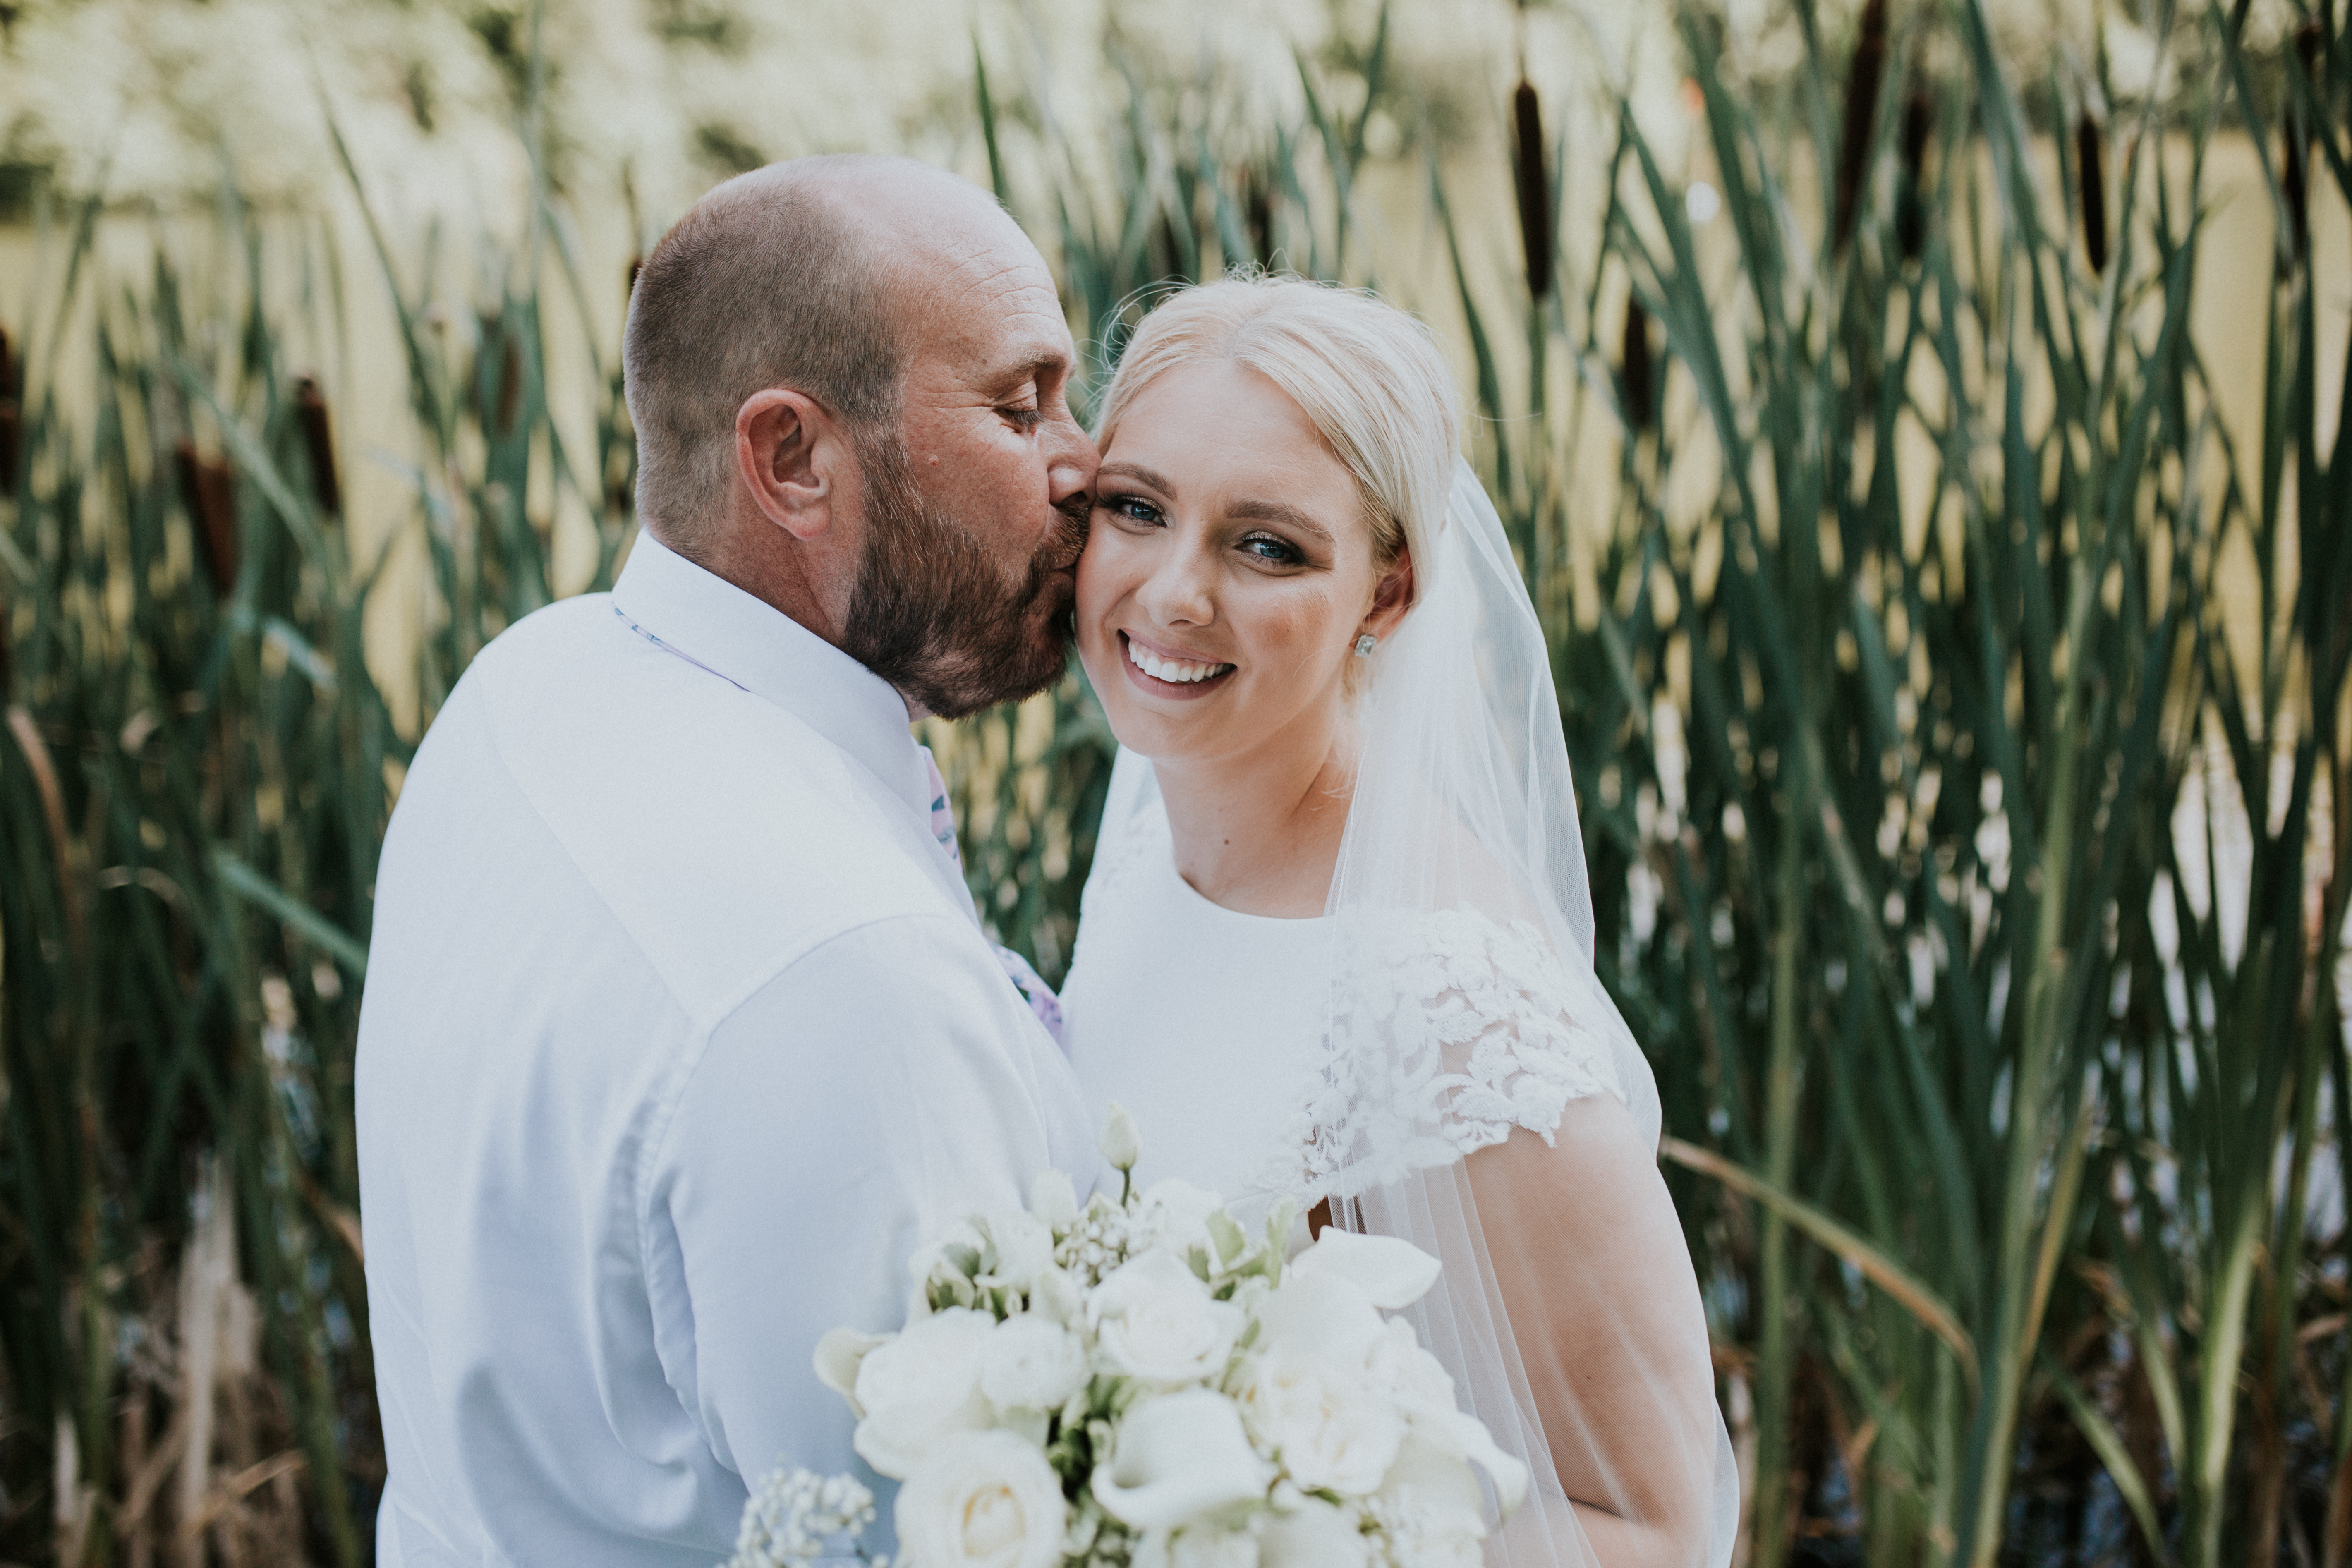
1369	376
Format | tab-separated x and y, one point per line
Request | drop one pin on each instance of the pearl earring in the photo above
1365	644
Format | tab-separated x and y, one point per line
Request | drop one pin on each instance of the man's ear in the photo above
1392	598
789	453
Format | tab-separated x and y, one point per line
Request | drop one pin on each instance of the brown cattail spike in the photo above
509	387
1535	188
1861	111
1634	371
318	445
1911	208
2095	190
1257	217
209	493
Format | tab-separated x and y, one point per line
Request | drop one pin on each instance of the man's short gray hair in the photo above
771	281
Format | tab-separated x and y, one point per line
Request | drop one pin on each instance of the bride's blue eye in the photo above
1274	551
1135	508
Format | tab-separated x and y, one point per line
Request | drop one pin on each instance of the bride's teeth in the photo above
1173	671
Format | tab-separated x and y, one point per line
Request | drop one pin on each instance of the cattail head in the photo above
1257	215
1911	204
317	445
209	493
637	265
1534	188
1862	82
2294	178
2095	190
1634	375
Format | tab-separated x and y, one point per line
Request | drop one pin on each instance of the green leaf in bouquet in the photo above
1226	1233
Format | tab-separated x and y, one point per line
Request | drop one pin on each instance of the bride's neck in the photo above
1259	833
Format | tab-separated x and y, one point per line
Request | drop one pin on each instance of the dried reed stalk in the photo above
1534	188
12	422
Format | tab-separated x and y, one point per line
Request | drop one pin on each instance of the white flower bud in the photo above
1121	1145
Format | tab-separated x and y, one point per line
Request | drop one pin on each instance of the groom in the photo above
680	1029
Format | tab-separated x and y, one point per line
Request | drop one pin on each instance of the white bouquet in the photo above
1145	1384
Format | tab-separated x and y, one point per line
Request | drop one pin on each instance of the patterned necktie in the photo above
1025	980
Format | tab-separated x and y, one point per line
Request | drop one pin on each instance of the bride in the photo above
1336	943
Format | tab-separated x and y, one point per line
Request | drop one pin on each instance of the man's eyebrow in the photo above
1040	363
1278	511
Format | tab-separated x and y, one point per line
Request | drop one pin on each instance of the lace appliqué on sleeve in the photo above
1446	1031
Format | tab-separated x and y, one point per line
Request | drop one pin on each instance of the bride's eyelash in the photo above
1133	507
1290	554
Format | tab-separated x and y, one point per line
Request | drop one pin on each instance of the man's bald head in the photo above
795	275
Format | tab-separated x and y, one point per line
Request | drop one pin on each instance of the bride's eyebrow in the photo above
1278	511
1138	473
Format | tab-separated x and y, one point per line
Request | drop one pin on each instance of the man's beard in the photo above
935	617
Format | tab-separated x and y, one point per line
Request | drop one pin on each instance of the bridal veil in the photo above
1470	1046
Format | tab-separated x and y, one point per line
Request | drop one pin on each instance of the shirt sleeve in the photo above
888	1083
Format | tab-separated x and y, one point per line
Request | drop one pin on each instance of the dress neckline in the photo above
1164	861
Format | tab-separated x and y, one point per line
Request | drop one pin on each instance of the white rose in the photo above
838	1356
986	1499
1323	1314
1024	1247
1155	1321
1033	1363
1415	1379
1437	1481
1053	1295
1315	1535
1053	1200
922	1388
1175	1214
932	1263
1432	1507
1390	1273
1177	1457
1326	1425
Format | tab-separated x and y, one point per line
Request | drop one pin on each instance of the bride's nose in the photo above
1179	590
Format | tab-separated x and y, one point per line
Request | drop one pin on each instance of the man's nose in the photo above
1070	458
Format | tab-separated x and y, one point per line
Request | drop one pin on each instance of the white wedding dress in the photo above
1209	1025
1201	1021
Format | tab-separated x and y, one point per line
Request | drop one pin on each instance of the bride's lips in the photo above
1152	686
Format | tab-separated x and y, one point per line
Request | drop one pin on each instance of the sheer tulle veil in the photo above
1464	1012
1463	835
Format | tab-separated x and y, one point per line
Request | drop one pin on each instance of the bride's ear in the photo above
1393	597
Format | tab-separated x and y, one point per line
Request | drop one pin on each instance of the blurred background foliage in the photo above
1921	428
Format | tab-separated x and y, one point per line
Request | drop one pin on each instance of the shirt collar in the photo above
754	644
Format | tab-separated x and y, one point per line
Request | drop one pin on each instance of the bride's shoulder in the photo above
1489	1004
